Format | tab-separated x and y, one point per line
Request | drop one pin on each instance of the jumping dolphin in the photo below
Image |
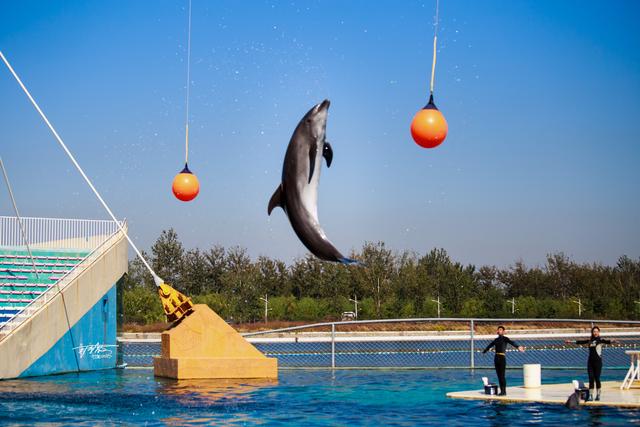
297	194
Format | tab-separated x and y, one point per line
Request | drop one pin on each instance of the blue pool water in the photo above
300	397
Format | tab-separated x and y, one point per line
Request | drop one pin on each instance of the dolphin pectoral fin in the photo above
313	149
276	200
327	153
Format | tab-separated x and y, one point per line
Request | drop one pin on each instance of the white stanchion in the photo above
532	375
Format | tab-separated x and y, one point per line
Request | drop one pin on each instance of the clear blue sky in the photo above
542	100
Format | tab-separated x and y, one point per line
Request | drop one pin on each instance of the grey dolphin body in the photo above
298	191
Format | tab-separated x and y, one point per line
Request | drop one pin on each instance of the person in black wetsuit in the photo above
500	359
594	362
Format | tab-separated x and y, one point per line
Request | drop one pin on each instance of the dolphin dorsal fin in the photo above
276	200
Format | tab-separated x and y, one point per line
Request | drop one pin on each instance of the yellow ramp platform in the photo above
203	345
558	394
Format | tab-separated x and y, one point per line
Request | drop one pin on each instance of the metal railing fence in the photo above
425	343
55	233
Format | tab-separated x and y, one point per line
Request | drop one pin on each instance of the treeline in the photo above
390	285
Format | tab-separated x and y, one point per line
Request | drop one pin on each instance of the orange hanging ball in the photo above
185	185
429	127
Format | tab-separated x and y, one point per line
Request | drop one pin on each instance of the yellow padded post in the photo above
175	304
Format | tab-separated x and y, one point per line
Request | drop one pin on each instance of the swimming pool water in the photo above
299	397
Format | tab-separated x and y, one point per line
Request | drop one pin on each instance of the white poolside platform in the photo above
558	394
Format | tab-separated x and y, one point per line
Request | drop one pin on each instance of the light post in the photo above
437	302
512	301
266	307
355	301
579	302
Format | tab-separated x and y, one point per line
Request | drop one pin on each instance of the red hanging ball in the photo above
429	127
185	185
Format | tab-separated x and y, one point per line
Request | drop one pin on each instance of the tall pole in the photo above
579	308
355	301
512	301
266	307
333	345
472	344
579	302
437	302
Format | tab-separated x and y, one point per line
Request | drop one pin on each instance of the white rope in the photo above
15	208
186	155
158	281
435	39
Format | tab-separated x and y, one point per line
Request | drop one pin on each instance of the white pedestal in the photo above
532	375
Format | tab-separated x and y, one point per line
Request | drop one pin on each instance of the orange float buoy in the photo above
185	185
429	127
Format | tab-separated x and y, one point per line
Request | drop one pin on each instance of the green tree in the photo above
335	287
195	274
283	307
306	277
627	273
216	265
274	276
216	302
429	308
377	273
389	285
138	275
491	291
241	285
142	305
168	257
407	310
407	284
454	283
310	309
560	269
473	307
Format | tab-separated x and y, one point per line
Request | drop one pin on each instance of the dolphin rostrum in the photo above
297	194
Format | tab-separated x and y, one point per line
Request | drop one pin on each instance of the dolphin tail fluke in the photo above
349	261
276	200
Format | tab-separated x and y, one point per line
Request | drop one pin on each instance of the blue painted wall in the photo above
89	345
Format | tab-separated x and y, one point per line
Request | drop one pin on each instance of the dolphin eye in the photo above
308	120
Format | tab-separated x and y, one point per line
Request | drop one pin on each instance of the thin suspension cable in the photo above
435	39
15	208
186	155
158	281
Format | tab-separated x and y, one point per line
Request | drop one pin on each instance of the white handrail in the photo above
56	233
498	321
